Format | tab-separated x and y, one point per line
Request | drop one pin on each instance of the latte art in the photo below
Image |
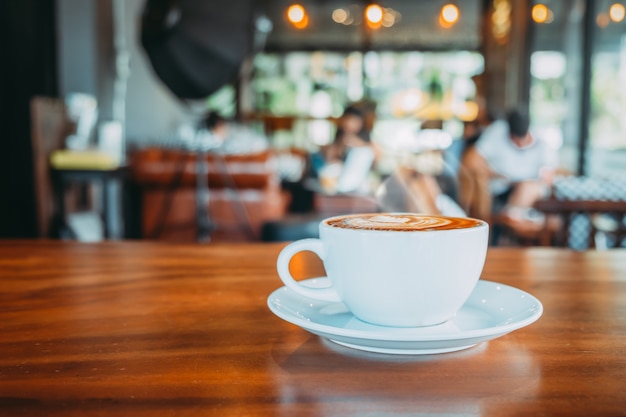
402	222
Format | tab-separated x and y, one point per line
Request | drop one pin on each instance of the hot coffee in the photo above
401	222
387	275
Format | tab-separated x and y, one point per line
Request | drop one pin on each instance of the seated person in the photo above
231	138
508	169
216	124
407	190
351	132
344	164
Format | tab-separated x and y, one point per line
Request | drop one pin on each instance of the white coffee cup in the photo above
395	269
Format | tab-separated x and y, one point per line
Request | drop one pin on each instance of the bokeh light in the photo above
296	14
539	13
374	15
449	14
617	12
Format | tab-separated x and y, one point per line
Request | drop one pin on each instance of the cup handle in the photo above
282	265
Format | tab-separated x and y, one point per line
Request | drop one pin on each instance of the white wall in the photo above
151	110
77	45
86	64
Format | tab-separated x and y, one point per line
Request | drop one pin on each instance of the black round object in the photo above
197	46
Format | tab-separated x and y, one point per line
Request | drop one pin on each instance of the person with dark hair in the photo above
229	137
351	132
518	125
510	167
343	165
216	124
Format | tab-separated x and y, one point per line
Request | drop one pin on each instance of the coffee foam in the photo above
402	222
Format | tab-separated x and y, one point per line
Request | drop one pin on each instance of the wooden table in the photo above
565	210
151	329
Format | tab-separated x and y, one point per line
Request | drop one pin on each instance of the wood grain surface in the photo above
154	329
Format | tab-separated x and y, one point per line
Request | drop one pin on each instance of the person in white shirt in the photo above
517	165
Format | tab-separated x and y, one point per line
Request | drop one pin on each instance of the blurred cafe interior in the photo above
198	121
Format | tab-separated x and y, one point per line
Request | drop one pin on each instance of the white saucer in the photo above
492	310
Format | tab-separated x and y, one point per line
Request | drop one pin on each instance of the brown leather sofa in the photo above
244	193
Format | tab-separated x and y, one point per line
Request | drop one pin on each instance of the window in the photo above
405	87
557	85
607	125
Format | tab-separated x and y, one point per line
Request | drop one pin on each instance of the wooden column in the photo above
506	48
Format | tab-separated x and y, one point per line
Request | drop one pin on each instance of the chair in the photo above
50	126
244	192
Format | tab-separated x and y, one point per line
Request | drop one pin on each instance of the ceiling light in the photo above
296	14
539	13
389	18
449	15
542	14
374	15
603	20
340	15
617	12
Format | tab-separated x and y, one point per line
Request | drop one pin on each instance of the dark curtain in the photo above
27	68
